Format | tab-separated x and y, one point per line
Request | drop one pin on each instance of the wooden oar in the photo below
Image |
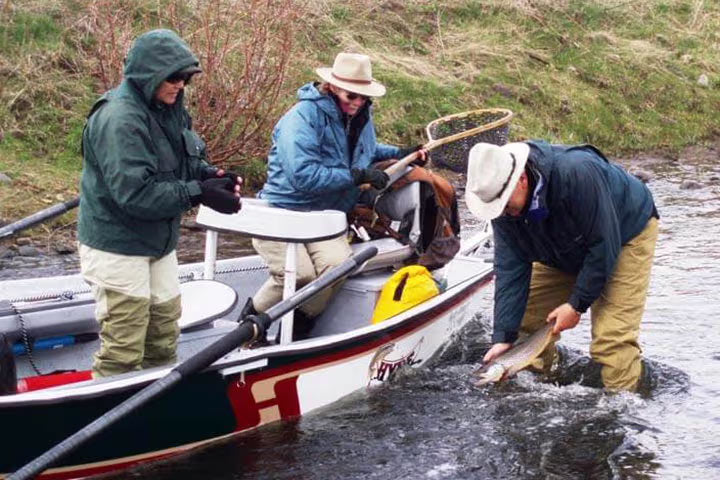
247	331
39	217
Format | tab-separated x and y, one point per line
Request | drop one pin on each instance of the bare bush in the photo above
111	31
244	47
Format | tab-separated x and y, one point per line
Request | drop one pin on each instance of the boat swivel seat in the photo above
258	219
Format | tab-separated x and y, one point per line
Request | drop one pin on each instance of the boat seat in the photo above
258	219
402	205
204	301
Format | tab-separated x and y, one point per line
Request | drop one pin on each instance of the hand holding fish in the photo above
495	351
504	360
565	317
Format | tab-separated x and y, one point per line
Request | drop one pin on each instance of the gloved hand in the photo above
231	175
375	177
218	194
420	161
221	173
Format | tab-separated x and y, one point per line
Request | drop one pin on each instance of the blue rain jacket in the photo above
309	162
583	210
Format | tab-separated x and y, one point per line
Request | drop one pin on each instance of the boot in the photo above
302	326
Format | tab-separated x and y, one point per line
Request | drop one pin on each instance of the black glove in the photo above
404	152
220	183
232	176
212	173
377	178
208	173
218	194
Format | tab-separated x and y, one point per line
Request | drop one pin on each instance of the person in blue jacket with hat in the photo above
322	150
572	232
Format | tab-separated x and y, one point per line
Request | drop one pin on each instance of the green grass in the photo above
29	31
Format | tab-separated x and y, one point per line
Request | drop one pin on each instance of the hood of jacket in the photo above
153	57
310	93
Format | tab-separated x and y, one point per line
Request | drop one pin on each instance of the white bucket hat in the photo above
352	72
493	173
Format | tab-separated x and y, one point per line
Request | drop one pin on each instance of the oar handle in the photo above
39	217
244	332
408	159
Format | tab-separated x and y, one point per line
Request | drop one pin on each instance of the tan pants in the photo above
313	259
615	315
137	305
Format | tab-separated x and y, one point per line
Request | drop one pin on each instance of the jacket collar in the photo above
539	165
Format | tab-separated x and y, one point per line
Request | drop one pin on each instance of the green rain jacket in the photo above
142	160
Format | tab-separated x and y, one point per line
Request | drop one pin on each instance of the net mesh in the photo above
454	155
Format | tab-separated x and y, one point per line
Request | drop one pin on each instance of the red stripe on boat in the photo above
39	382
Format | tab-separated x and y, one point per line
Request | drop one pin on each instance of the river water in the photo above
432	423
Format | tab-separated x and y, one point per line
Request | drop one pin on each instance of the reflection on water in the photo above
432	423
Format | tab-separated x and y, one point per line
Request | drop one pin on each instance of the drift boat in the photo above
53	318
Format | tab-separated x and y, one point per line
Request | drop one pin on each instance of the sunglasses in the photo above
179	77
354	96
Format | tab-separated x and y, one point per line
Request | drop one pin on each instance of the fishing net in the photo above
484	125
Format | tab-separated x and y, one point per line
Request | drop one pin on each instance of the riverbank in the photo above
54	252
628	77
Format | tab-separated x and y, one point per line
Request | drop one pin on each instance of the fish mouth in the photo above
490	373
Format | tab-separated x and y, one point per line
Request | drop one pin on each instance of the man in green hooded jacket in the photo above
143	167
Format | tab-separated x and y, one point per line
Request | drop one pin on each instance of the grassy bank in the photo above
626	76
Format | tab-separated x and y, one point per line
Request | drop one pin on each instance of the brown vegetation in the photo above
244	48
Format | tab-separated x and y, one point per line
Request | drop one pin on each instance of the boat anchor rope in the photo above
25	338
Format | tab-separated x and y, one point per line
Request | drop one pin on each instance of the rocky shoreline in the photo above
23	257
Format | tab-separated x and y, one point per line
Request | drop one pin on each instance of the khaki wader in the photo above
615	315
137	305
313	259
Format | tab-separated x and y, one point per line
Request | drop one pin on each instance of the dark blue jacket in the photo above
583	212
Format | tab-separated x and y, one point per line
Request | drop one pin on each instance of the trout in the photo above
520	356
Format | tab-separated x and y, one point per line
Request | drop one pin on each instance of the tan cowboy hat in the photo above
493	173
352	72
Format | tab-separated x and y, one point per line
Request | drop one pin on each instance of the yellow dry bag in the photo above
406	288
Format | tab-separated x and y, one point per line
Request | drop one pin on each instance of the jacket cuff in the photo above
577	304
504	337
194	192
404	152
208	172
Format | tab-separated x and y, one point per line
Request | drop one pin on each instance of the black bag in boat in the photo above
8	374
